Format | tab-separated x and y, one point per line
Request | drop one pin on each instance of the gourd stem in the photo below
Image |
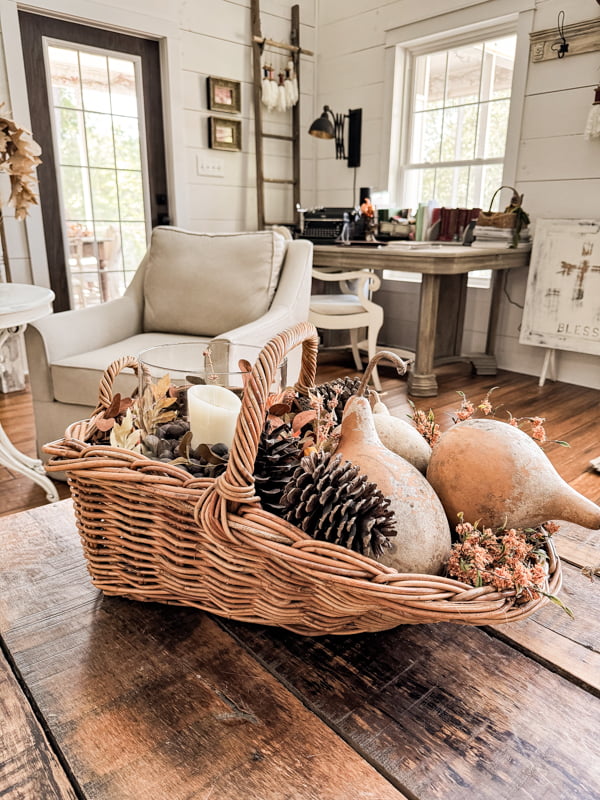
401	367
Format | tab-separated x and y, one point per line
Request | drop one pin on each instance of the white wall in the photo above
199	38
558	171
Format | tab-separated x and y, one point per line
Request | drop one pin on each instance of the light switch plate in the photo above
210	166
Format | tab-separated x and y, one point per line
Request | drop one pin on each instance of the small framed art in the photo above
224	95
224	134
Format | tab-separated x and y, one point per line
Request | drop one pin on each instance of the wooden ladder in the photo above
294	49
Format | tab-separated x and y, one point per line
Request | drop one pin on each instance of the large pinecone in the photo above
329	499
340	390
277	458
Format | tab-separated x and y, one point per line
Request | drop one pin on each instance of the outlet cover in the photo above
210	166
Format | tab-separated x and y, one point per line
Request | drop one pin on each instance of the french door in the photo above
96	111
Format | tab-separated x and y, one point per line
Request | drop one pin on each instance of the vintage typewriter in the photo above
325	225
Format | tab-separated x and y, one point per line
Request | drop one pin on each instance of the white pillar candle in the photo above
213	413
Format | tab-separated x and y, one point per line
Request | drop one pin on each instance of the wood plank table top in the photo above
427	258
104	698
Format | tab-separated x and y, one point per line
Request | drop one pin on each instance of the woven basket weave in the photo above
499	219
152	532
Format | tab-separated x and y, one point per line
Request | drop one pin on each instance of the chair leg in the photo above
372	349
355	350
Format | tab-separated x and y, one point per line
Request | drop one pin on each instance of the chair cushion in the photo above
336	304
76	379
205	284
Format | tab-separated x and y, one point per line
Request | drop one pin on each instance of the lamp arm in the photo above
340	150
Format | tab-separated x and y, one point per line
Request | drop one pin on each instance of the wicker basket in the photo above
152	532
500	219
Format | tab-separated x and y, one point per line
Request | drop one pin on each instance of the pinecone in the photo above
339	391
330	500
277	458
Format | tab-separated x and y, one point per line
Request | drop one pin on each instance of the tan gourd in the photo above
496	473
422	543
401	437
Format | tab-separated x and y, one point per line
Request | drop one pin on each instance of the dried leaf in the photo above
126	435
303	418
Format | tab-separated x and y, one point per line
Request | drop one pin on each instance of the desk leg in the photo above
32	468
485	363
421	379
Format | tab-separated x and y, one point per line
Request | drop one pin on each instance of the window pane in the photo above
104	194
133	243
94	77
122	87
131	195
430	77
71	140
496	128
127	142
458	133
98	130
503	51
64	71
451	186
464	71
426	138
74	189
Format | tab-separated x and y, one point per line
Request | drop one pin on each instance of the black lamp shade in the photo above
322	127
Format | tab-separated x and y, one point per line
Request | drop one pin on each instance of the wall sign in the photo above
562	304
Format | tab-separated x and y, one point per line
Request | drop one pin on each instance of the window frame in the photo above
459	27
432	45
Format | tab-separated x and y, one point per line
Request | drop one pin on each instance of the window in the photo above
457	123
95	97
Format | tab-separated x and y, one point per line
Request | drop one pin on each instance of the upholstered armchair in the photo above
241	287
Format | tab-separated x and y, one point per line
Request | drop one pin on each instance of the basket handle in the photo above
237	482
499	189
105	389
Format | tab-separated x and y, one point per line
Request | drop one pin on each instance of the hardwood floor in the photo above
572	413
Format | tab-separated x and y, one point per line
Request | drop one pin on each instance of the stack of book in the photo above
488	236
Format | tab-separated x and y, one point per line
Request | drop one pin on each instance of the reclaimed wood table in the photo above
444	269
108	699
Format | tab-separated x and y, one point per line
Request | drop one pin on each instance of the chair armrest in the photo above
350	275
64	334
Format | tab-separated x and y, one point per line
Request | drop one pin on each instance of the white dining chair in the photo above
350	309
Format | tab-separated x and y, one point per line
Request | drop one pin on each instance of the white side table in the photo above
21	303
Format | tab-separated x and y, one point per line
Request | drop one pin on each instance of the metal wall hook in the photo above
561	47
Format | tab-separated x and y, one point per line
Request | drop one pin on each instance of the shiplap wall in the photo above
558	171
211	37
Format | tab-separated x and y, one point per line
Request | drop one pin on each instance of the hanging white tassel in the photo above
592	127
265	87
271	90
291	85
281	98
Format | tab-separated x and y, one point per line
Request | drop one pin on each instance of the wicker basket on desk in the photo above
152	532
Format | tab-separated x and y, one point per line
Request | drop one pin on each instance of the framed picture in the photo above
224	95
562	304
224	134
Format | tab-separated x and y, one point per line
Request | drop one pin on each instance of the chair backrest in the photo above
202	284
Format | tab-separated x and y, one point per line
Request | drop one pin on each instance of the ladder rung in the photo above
278	136
279	180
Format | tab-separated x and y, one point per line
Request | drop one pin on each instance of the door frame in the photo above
88	12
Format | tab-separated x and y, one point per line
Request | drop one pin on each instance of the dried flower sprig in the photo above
429	429
19	156
509	559
425	423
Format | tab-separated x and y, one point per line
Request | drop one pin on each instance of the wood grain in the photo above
449	711
151	701
28	766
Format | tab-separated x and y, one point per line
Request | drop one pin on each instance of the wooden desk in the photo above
436	264
108	699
